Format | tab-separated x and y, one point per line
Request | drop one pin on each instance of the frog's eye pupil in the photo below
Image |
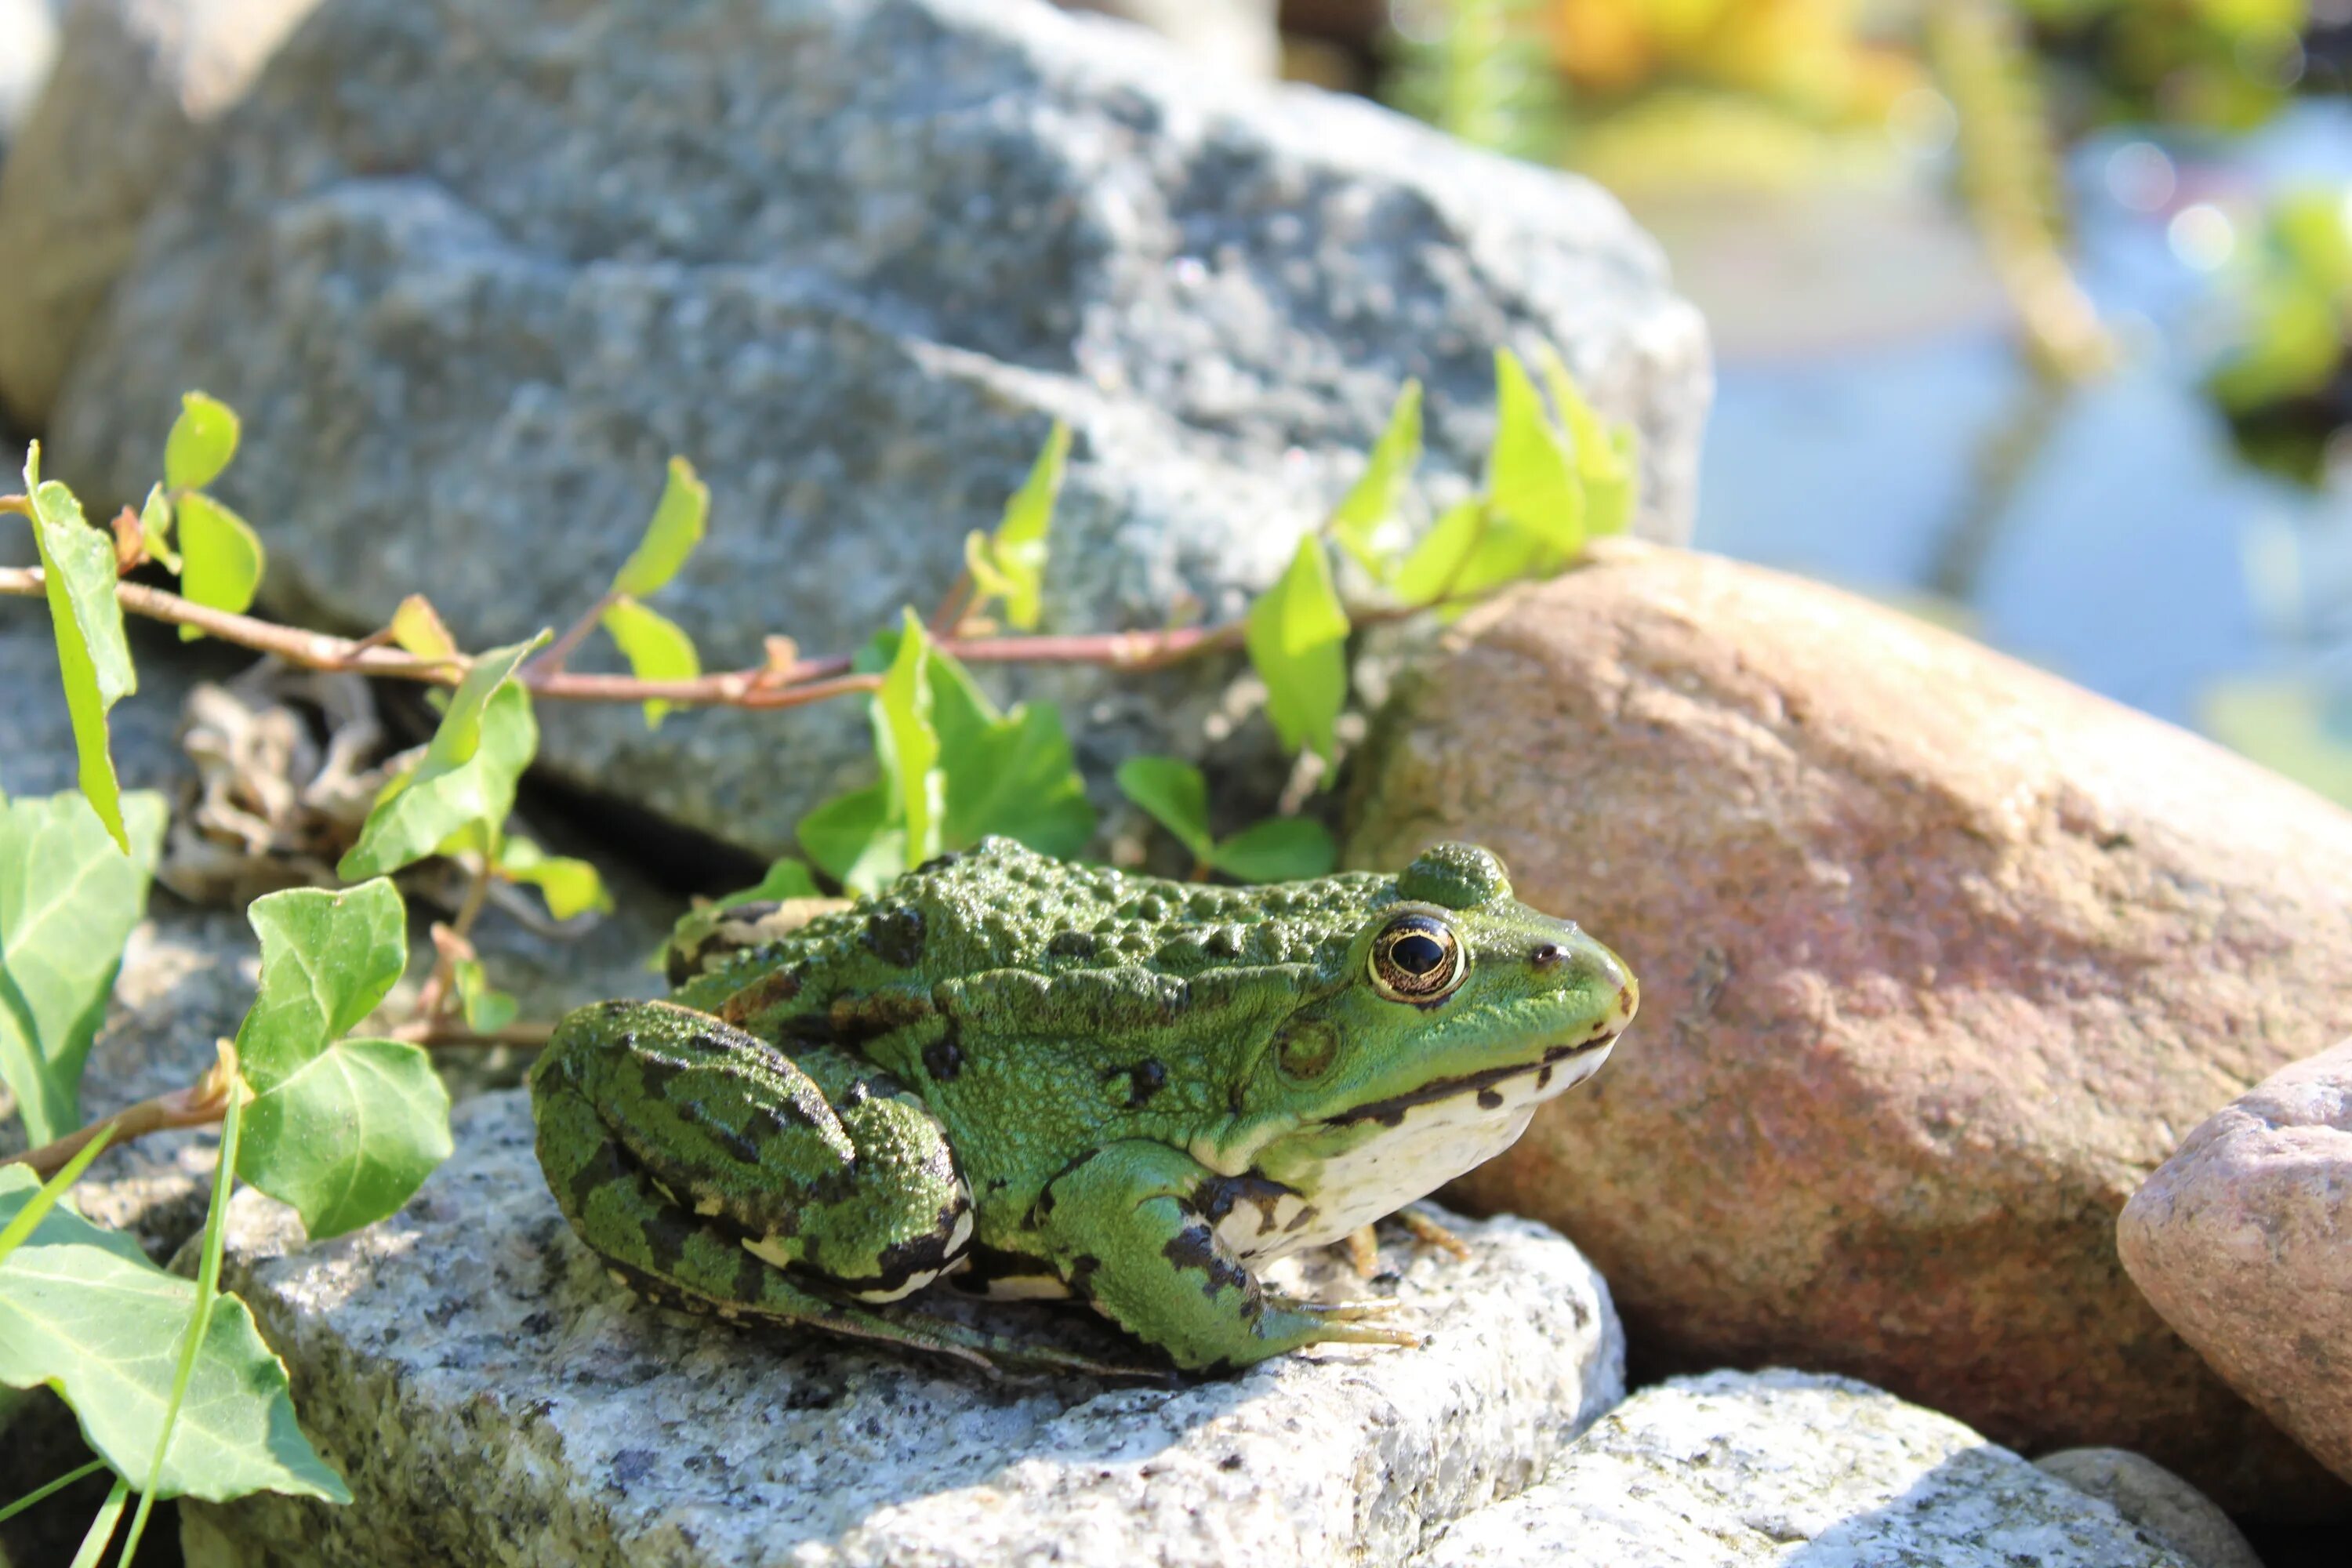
1417	955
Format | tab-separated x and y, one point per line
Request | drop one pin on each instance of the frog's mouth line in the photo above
1392	1111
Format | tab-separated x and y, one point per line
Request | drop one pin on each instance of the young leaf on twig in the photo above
78	574
1297	635
1010	564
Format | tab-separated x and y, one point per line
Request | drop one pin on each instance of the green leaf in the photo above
785	879
100	1324
1605	457
676	528
202	440
907	745
221	557
850	839
156	528
1009	773
1175	795
1428	572
487	1010
570	887
1279	849
1297	634
1530	479
343	1130
417	627
77	577
38	1218
1011	562
657	647
468	777
1373	499
68	899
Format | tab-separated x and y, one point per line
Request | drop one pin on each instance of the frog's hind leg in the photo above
673	1257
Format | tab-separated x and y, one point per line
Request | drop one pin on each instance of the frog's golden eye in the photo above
1417	957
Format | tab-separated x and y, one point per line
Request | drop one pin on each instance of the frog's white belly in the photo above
1432	1144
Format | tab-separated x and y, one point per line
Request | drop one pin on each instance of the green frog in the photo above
1045	1079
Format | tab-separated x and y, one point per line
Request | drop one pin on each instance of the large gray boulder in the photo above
1730	1469
493	1398
472	268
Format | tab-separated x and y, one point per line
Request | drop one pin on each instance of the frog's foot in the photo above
1363	1251
1343	1322
1431	1233
1335	1311
1000	1352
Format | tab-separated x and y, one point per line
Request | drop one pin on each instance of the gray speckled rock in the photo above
2158	1501
472	269
29	42
1729	1468
134	85
493	1399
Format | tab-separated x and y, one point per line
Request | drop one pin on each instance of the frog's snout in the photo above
1575	959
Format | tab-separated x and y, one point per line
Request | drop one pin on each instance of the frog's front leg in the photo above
1129	1234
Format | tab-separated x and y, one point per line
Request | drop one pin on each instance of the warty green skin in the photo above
1046	1079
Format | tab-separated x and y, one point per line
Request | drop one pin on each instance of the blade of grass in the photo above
60	1484
51	1190
101	1528
207	1291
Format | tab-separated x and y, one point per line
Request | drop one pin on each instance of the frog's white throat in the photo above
1427	1146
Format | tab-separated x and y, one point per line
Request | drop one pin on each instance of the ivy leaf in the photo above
78	576
1373	499
487	1010
96	1321
657	647
1530	479
346	1131
1176	796
850	838
1605	457
1297	634
785	879
416	629
1279	849
570	887
1011	562
467	776
155	529
907	745
69	898
676	528
202	440
1428	572
221	558
1009	773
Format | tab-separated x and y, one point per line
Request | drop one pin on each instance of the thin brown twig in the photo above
448	1032
551	661
200	1104
453	942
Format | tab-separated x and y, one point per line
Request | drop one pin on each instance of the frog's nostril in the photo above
1547	954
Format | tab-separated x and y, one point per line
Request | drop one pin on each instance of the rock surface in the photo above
1940	958
133	84
543	1416
472	269
28	43
1238	35
2158	1501
1739	1469
2243	1241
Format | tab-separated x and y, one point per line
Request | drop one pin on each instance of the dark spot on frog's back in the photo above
939	862
1218	1198
773	989
1144	1079
1488	1100
854	1019
1072	944
896	935
944	1057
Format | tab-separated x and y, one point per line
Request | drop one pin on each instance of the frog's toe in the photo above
1335	1312
1431	1232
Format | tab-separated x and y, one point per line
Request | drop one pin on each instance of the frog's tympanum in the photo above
1058	1080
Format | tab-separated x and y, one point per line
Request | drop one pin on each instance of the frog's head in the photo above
1456	1011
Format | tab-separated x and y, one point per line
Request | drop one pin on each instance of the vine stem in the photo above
200	1104
803	683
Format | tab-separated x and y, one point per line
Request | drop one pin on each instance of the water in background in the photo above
1875	427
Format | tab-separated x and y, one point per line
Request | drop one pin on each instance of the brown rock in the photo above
1939	957
2243	1241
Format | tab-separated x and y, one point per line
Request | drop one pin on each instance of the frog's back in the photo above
1000	906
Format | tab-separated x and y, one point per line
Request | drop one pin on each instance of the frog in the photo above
1040	1079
